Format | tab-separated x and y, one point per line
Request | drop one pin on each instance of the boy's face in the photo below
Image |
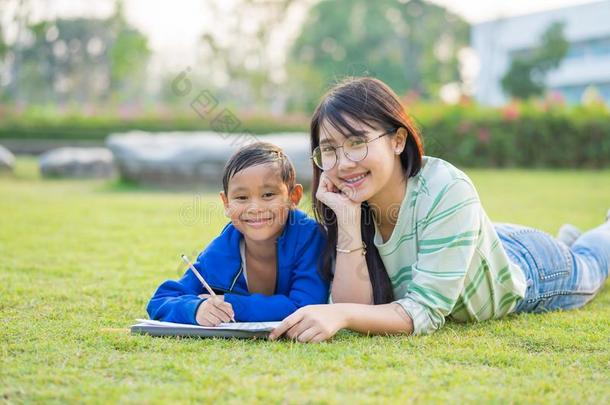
258	202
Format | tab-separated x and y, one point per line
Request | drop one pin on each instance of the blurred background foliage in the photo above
83	77
78	62
413	47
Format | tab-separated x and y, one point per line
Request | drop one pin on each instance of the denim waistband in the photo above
513	249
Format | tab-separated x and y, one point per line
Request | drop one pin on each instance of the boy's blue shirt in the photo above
298	282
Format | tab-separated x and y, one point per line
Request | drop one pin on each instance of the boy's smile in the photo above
257	223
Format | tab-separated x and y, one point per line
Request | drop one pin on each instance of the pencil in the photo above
205	284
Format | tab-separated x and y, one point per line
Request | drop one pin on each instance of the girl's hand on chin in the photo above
337	199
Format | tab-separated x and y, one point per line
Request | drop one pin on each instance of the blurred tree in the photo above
3	46
411	45
304	87
57	65
128	57
244	48
528	69
19	19
3	52
79	60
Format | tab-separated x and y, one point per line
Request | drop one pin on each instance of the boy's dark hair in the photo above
255	154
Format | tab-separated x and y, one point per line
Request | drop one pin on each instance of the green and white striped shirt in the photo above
444	257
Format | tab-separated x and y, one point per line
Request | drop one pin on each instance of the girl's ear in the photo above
295	195
225	202
400	140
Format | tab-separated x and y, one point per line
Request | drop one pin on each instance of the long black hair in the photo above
373	103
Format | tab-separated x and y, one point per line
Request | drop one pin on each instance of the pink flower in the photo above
127	111
556	98
511	112
484	135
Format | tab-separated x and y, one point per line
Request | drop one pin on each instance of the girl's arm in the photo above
378	319
351	282
317	323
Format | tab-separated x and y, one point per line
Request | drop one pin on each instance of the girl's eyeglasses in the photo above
355	148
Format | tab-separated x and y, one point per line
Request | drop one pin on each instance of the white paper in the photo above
245	326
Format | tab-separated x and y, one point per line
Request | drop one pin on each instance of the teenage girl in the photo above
408	241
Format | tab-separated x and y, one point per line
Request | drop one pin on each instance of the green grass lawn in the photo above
79	260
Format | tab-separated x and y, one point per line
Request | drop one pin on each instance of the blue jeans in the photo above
558	276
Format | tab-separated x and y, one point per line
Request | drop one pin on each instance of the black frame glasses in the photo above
318	152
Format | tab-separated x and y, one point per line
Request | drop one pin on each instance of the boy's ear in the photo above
225	202
295	195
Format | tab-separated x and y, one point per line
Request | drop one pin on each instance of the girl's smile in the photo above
355	180
378	170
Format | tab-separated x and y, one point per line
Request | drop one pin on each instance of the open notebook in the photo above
224	330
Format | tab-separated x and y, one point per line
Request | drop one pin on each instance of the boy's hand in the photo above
214	311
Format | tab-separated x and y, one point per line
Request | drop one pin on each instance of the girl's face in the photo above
258	202
364	179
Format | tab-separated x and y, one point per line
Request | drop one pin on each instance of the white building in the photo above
587	29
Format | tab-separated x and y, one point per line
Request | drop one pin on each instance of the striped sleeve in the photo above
445	250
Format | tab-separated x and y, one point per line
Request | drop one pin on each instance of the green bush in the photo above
32	125
518	135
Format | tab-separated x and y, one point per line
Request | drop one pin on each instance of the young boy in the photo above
263	265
